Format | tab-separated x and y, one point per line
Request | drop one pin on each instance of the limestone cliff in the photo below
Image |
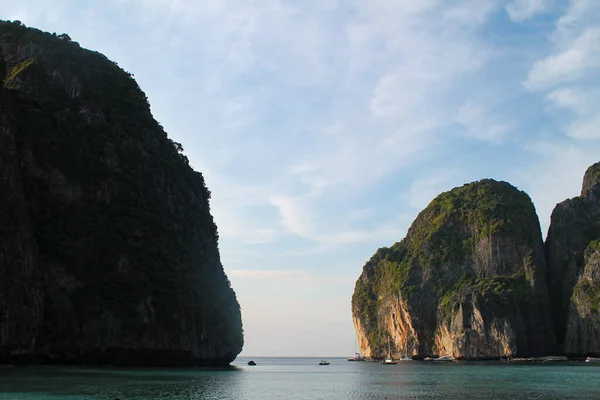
108	250
468	280
575	225
583	327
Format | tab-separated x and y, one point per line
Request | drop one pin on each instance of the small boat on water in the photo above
406	358
251	362
357	357
592	360
552	359
389	359
444	358
323	362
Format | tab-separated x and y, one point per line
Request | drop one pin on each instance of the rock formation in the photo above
108	250
468	280
572	254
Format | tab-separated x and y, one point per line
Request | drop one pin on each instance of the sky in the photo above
324	127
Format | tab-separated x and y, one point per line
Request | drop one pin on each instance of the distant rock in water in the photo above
468	280
108	250
573	256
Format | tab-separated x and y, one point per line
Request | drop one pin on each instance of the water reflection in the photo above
422	380
141	384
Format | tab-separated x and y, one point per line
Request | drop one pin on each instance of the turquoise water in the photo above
302	378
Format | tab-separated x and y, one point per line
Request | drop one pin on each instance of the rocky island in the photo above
472	279
468	280
108	251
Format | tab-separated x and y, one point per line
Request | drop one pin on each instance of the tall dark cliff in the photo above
468	280
573	268
108	250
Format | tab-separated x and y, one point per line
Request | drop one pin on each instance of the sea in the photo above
303	378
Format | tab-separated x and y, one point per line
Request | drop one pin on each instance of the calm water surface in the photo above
302	378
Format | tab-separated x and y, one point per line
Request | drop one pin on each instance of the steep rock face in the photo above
583	327
108	251
468	280
20	283
575	224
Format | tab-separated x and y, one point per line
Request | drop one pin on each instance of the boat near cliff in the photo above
357	357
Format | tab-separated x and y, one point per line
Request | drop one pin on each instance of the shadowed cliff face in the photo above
20	276
468	280
570	251
583	326
108	251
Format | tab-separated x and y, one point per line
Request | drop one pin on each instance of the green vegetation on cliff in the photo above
122	232
447	232
588	290
509	291
591	178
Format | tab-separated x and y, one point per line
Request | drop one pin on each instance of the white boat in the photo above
389	360
405	350
357	357
592	360
444	358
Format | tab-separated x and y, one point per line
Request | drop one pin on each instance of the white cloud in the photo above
294	216
422	191
570	70
298	218
580	15
480	125
468	13
570	98
576	52
579	57
394	96
582	101
586	129
521	10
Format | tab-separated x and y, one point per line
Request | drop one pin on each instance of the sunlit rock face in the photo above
468	280
572	254
108	251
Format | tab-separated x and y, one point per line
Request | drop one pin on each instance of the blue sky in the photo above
324	127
